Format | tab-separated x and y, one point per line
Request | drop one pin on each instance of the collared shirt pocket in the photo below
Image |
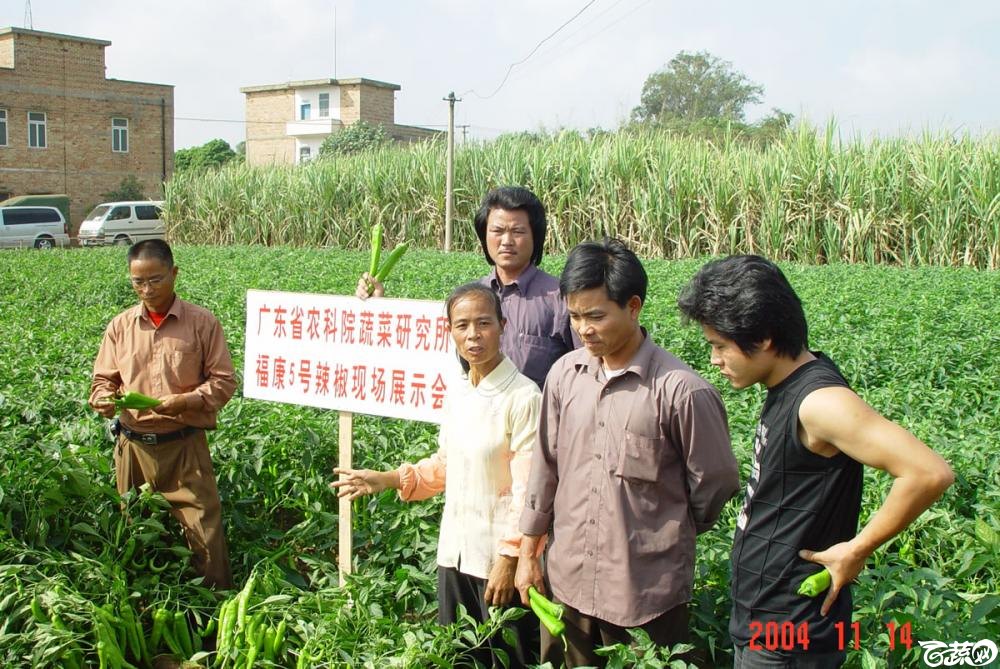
182	367
639	457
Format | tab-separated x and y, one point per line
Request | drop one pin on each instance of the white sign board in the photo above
383	357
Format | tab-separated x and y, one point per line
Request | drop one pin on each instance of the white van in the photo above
41	227
123	223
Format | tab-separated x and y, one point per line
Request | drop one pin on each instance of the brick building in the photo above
66	128
287	123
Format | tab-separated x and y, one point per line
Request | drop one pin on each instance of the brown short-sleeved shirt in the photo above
625	474
186	354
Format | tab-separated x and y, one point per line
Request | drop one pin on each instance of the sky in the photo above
876	67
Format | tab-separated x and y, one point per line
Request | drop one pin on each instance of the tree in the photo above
210	155
129	189
695	87
355	138
773	126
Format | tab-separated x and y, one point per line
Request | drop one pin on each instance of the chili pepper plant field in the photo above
88	578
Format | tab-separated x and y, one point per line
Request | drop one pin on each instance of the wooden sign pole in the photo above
346	432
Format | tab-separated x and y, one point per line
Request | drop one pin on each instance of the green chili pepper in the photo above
391	261
102	655
140	638
269	635
549	613
815	584
227	625
129	551
157	567
132	637
244	601
209	629
134	400
159	622
555	627
279	638
37	612
550	607
112	651
182	634
172	642
376	249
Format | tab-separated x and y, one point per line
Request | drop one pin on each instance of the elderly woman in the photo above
482	465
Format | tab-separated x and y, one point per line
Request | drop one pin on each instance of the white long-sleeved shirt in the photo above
482	465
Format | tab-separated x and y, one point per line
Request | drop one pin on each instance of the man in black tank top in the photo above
803	497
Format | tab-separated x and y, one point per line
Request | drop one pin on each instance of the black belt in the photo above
152	439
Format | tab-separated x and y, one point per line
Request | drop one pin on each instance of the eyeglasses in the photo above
151	282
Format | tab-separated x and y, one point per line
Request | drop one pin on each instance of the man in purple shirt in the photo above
633	460
511	227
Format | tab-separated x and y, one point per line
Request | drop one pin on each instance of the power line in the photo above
586	25
531	53
559	54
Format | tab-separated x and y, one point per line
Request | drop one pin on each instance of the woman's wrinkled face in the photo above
475	329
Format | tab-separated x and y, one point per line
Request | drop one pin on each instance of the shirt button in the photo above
601	423
590	553
593	490
598	456
591	521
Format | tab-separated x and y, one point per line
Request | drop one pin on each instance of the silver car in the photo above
40	227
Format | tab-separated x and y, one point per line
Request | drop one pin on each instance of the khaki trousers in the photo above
181	471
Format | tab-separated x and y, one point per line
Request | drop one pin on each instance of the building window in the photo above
305	153
3	127
305	111
36	130
119	135
324	105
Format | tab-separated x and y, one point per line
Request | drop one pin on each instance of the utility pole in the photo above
449	170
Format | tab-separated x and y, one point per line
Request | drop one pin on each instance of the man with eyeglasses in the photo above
176	352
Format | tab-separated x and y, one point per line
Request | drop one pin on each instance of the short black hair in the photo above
465	290
607	263
513	198
747	299
151	248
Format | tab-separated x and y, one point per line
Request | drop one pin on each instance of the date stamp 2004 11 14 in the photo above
789	636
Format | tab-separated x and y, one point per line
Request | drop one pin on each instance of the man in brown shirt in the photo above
633	461
174	351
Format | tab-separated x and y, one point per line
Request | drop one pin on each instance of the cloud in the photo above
930	70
